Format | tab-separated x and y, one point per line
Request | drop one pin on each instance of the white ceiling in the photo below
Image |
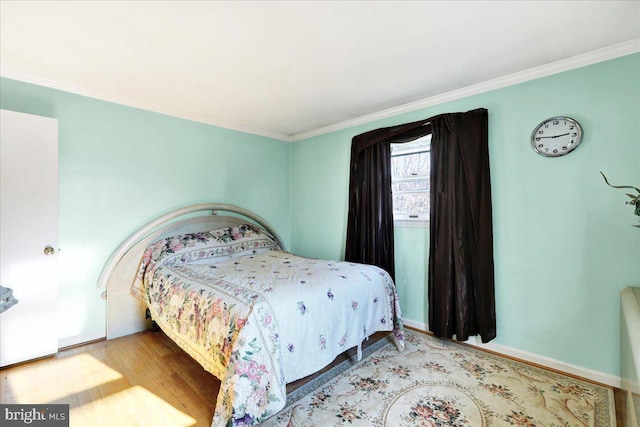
294	69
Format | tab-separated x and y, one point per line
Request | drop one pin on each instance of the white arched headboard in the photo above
125	313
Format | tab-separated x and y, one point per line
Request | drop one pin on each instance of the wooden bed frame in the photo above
125	313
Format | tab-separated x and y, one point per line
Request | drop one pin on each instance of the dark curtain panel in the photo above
370	221
461	278
370	218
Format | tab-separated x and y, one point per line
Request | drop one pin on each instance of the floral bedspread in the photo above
257	317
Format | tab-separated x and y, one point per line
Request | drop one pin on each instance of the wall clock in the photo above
556	136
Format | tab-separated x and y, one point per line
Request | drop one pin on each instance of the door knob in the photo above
48	251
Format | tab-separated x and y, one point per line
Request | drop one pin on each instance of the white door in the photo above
29	235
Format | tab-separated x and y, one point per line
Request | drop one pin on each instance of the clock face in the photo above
556	136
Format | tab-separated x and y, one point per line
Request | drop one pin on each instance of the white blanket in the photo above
260	321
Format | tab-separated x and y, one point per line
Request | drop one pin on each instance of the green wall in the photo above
564	241
564	245
121	166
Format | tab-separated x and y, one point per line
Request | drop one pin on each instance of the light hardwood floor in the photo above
139	380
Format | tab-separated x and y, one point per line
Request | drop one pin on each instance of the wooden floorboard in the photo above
139	380
143	379
620	398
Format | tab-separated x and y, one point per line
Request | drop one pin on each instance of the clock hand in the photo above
554	136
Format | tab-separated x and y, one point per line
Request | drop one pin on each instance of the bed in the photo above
255	316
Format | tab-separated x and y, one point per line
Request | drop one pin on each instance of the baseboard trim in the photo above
80	339
536	359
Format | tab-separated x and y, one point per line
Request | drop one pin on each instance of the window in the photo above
410	170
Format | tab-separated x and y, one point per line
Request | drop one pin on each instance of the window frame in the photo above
411	220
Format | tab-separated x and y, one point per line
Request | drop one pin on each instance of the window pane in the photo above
410	170
411	203
411	164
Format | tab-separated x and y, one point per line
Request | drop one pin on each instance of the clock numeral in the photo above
555	151
537	138
546	126
572	127
540	145
574	134
556	122
540	132
564	148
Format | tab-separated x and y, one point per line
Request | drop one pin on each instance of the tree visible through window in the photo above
410	170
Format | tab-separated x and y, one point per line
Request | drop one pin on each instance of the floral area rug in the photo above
441	383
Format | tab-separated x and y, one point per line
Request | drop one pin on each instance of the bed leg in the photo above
154	325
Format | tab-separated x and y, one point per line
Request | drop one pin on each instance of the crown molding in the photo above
604	54
589	58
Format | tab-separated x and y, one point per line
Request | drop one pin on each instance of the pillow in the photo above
232	242
223	244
